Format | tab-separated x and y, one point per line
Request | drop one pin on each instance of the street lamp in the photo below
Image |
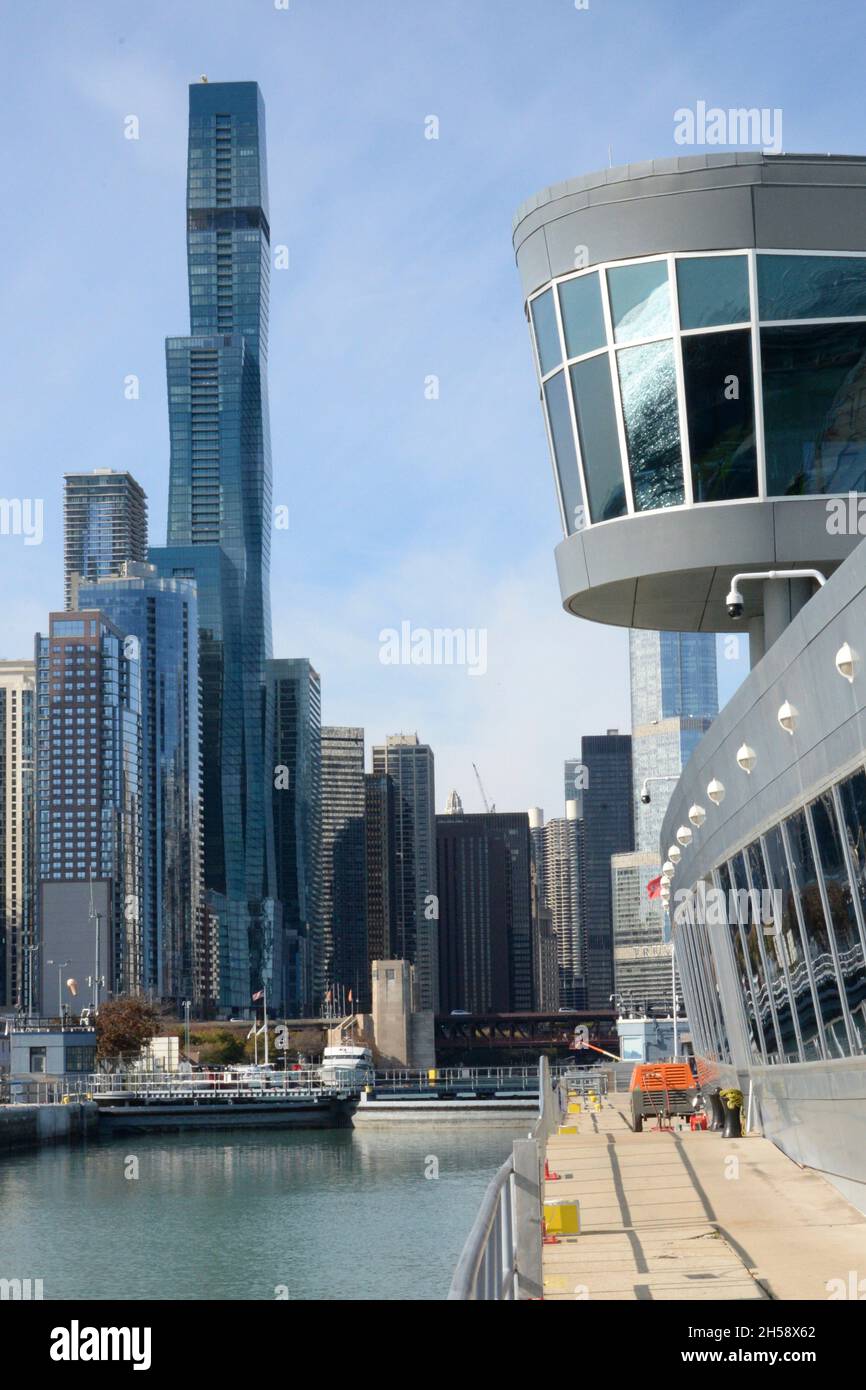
186	1008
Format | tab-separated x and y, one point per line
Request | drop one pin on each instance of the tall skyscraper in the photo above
608	830
344	883
17	830
674	699
296	706
485	912
219	514
381	834
104	524
574	779
162	615
410	765
558	853
89	807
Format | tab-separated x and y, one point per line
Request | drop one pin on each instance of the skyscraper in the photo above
104	524
410	765
485	912
296	707
219	513
89	798
17	829
162	615
558	853
608	830
574	782
381	836
344	886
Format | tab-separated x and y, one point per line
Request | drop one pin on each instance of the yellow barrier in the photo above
562	1218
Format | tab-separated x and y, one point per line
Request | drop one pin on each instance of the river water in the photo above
327	1214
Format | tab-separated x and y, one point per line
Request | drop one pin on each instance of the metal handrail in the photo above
487	1268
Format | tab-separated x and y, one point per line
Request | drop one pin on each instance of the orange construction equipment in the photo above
661	1089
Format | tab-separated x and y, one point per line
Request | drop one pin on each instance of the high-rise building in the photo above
89	805
641	954
558	851
296	708
608	830
219	514
17	830
162	615
381	836
574	779
485	912
345	958
409	763
104	524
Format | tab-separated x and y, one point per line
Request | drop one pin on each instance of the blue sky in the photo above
437	512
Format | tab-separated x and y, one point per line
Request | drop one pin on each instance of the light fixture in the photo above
788	717
697	815
746	757
845	660
675	854
716	791
684	835
668	868
665	880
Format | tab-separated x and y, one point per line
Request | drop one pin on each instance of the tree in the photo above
124	1026
219	1047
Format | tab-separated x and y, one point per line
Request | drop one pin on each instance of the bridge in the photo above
470	1035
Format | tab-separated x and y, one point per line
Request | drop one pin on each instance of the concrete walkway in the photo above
692	1216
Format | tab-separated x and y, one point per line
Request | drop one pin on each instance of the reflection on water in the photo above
334	1214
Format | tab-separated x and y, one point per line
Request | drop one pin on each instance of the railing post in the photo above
527	1218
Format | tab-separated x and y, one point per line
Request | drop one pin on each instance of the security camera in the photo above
734	603
645	794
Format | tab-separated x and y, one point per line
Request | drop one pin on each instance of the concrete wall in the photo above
24	1125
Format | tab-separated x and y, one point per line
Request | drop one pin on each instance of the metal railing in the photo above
181	1087
501	1259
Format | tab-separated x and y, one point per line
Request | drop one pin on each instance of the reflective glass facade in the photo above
219	513
162	615
649	368
801	968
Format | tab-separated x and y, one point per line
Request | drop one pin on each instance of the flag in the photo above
257	997
654	887
350	996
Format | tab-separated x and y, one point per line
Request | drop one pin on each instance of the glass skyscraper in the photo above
104	524
17	829
344	887
162	614
219	514
608	830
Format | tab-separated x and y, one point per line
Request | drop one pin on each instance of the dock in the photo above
683	1215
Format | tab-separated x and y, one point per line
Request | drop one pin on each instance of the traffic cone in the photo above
548	1176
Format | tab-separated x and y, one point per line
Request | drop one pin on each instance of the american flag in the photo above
257	997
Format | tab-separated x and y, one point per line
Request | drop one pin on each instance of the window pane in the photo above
546	332
582	320
599	444
713	290
640	301
721	415
649	403
556	398
752	1031
754	957
817	936
815	408
811	287
768	929
787	942
841	902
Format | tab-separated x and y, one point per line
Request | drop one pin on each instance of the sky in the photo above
400	267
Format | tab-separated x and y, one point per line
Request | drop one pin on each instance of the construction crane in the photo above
488	808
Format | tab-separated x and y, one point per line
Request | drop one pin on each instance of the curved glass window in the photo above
720	409
712	290
766	928
755	963
787	943
840	899
546	332
815	408
811	287
753	1032
640	301
582	316
599	442
817	934
556	399
649	404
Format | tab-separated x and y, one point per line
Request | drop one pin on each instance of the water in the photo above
329	1214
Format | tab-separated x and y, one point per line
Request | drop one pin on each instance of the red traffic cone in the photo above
548	1176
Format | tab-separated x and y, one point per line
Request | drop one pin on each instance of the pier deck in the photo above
692	1216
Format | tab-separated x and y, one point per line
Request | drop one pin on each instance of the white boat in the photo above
347	1067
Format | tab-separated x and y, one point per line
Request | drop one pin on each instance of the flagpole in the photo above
265	1008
